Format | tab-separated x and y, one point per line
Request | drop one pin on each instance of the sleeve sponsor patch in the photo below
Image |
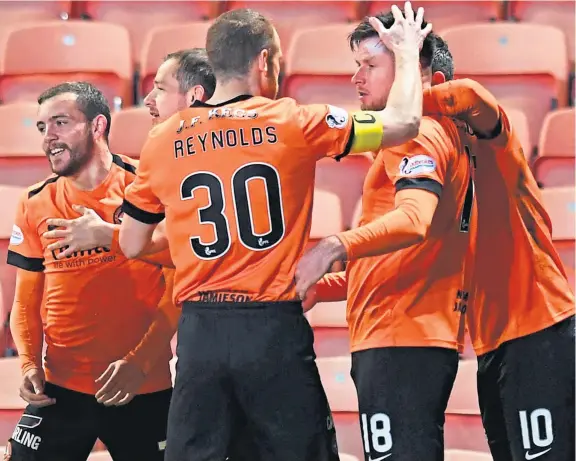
17	236
418	164
337	117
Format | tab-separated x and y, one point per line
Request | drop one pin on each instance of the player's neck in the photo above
94	172
230	90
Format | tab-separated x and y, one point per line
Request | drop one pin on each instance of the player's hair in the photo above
364	31
442	60
235	40
193	69
89	100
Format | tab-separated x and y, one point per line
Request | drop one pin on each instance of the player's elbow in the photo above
129	246
399	127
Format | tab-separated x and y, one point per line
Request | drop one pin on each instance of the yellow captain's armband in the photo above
368	131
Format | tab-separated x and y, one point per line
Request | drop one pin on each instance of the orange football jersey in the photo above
518	281
414	297
235	182
98	304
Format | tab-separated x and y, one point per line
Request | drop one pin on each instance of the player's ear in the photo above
263	61
196	93
99	125
438	78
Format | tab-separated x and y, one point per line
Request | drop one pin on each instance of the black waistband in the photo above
285	306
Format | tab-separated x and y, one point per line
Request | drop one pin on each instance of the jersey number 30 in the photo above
214	212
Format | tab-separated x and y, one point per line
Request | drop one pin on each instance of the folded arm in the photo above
469	101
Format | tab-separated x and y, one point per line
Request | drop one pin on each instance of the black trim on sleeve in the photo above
140	215
23	262
494	133
428	184
348	145
117	160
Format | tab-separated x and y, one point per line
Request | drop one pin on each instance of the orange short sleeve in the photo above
25	249
140	202
328	130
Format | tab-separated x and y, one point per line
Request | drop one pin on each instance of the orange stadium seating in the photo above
554	165
71	50
448	13
129	131
495	54
522	50
139	17
166	39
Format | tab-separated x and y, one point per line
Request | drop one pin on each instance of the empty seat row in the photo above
532	80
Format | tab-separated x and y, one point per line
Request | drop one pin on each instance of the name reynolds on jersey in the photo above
223	138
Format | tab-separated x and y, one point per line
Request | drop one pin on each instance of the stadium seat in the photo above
519	122
448	13
326	80
288	16
345	179
139	17
326	215
531	79
554	165
328	315
553	13
162	40
346	457
560	204
22	160
9	384
129	131
17	12
464	398
100	456
466	455
71	50
19	136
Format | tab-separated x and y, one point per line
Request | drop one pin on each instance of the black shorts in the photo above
250	362
402	396
68	430
526	392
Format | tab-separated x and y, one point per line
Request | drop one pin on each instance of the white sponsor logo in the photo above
26	438
417	165
336	117
536	455
162	445
17	236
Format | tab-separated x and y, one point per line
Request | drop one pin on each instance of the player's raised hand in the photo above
32	389
120	382
83	233
316	263
406	34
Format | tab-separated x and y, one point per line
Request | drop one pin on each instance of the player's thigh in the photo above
493	420
279	389
137	430
65	431
200	413
537	388
402	397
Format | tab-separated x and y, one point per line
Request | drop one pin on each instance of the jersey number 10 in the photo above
214	212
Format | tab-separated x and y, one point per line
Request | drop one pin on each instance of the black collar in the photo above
242	97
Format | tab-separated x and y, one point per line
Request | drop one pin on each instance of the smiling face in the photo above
68	140
374	75
166	99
